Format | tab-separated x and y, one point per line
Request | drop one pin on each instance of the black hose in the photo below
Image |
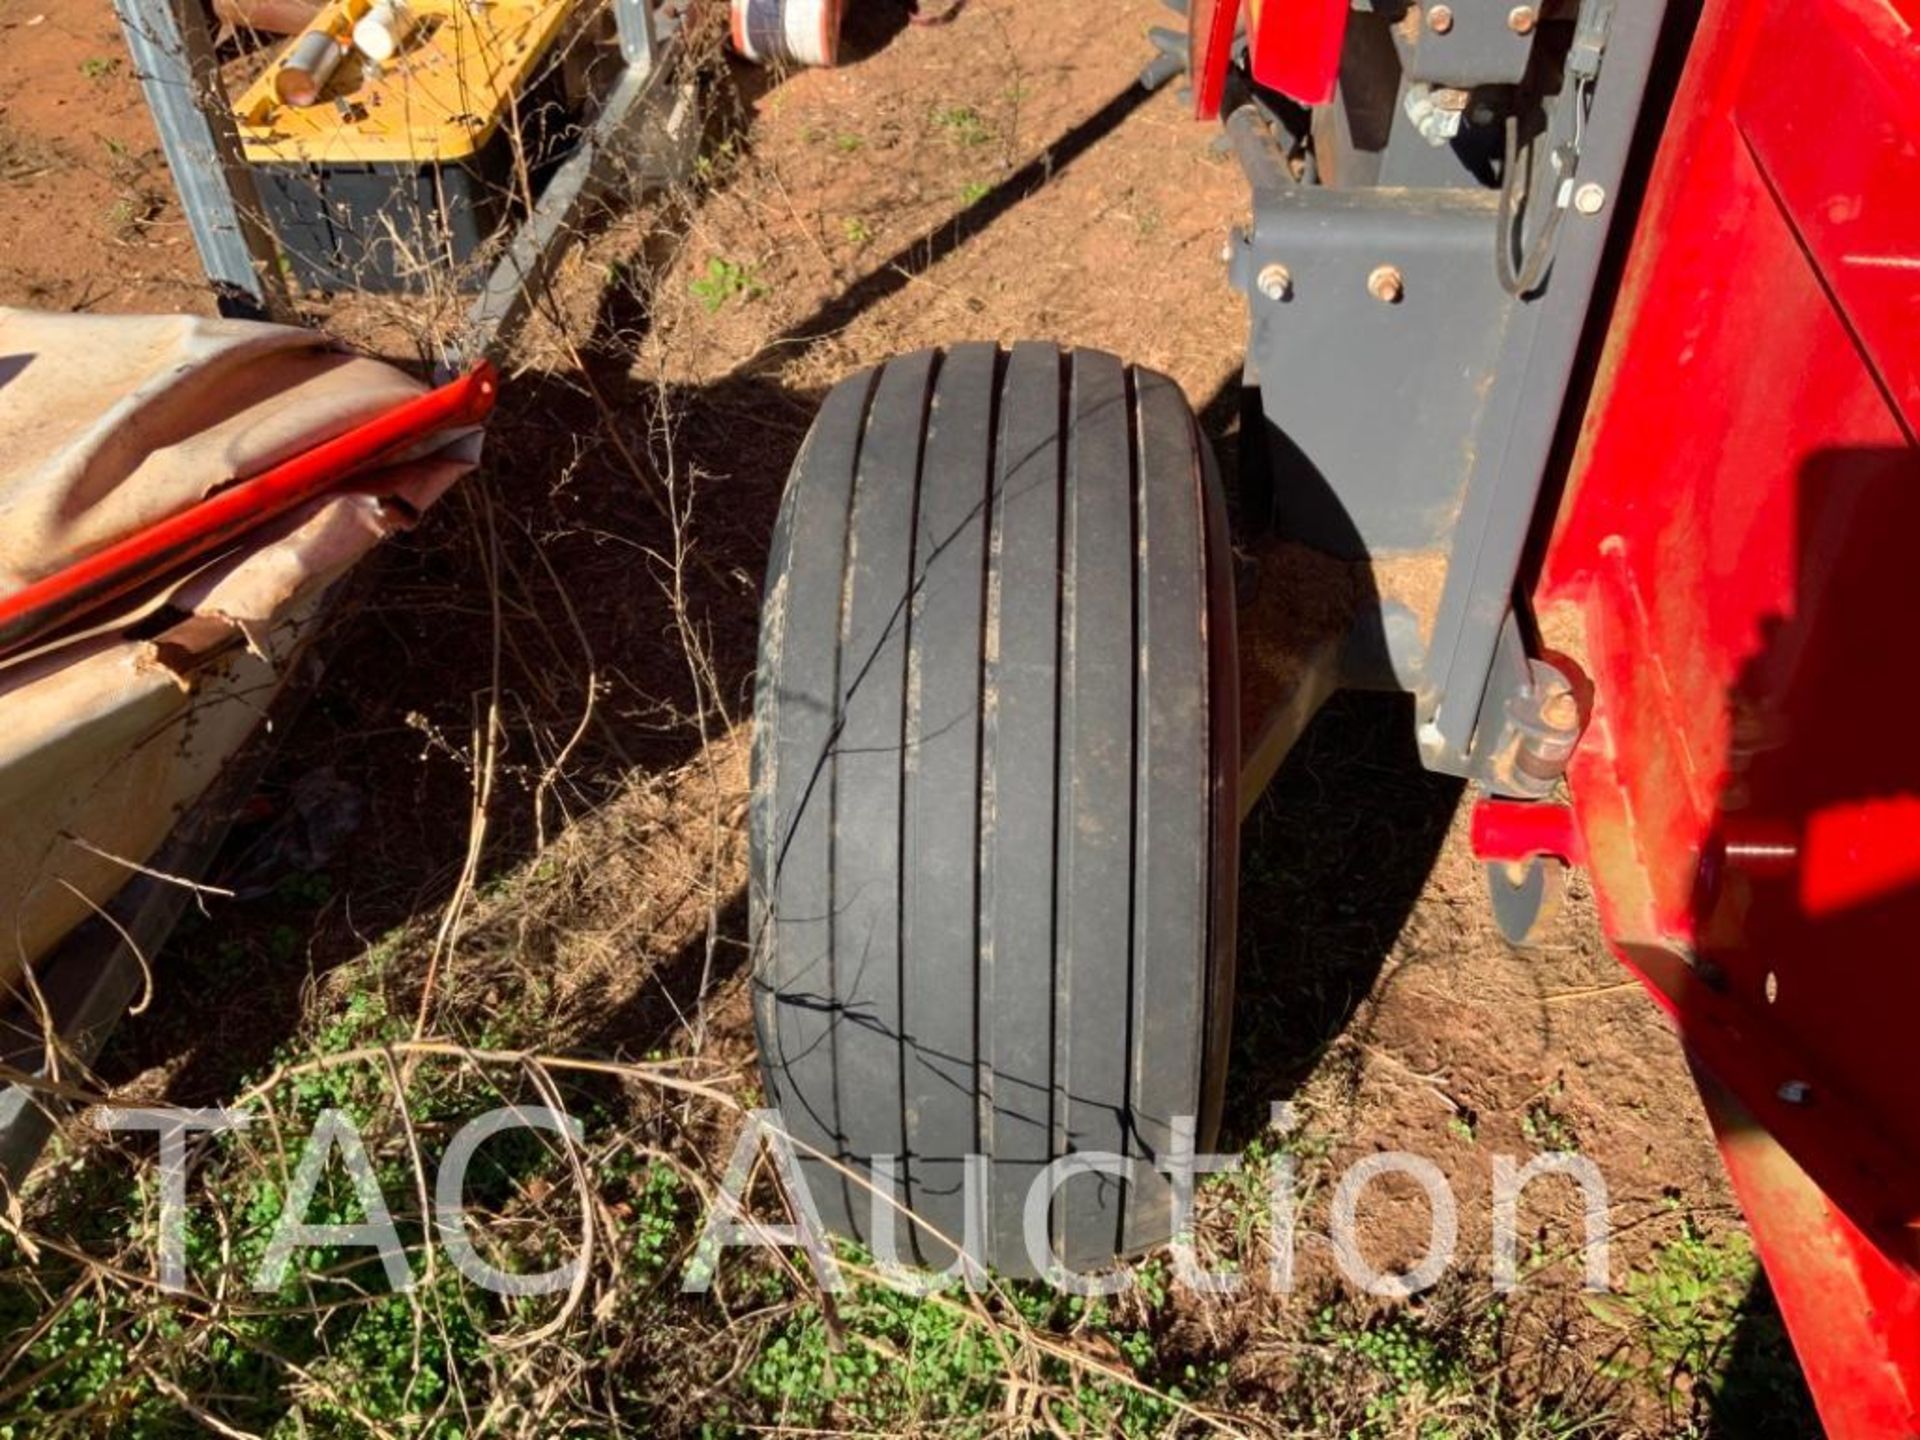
1522	266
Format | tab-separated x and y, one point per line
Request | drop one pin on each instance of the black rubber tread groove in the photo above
939	853
1093	973
992	796
1019	741
867	766
794	710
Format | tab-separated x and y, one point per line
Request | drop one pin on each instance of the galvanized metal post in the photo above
173	58
637	39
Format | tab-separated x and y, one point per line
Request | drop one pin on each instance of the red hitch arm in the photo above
36	609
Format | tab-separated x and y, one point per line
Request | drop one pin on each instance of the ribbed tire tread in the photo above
994	818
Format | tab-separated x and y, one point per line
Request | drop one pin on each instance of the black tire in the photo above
993	867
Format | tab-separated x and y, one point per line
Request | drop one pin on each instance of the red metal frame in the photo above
1737	568
1294	48
1525	829
1210	26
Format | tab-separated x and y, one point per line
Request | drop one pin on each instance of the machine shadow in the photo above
1332	860
556	583
1335	853
1761	1394
866	30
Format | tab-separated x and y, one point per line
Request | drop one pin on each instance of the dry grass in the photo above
24	156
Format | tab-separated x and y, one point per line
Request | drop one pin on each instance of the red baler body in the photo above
1736	560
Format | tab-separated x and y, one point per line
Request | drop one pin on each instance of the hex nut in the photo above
1276	282
1796	1092
1521	19
1589	198
1440	18
1386	284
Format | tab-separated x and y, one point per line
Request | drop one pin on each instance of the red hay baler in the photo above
1581	396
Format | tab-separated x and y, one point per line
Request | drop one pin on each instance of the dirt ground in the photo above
524	772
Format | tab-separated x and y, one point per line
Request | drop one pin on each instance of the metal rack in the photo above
646	128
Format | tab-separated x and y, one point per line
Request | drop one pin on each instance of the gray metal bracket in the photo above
638	37
1412	398
1498	510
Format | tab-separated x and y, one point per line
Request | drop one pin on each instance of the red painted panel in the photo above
1296	46
1741	545
1855	203
1210	27
1827	1277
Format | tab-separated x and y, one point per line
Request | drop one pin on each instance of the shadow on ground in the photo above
1762	1394
1332	860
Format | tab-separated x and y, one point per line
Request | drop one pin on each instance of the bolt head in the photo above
1386	284
1562	710
1796	1092
1521	19
1440	18
1589	198
1276	282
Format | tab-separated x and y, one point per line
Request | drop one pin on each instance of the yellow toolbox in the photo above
399	172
